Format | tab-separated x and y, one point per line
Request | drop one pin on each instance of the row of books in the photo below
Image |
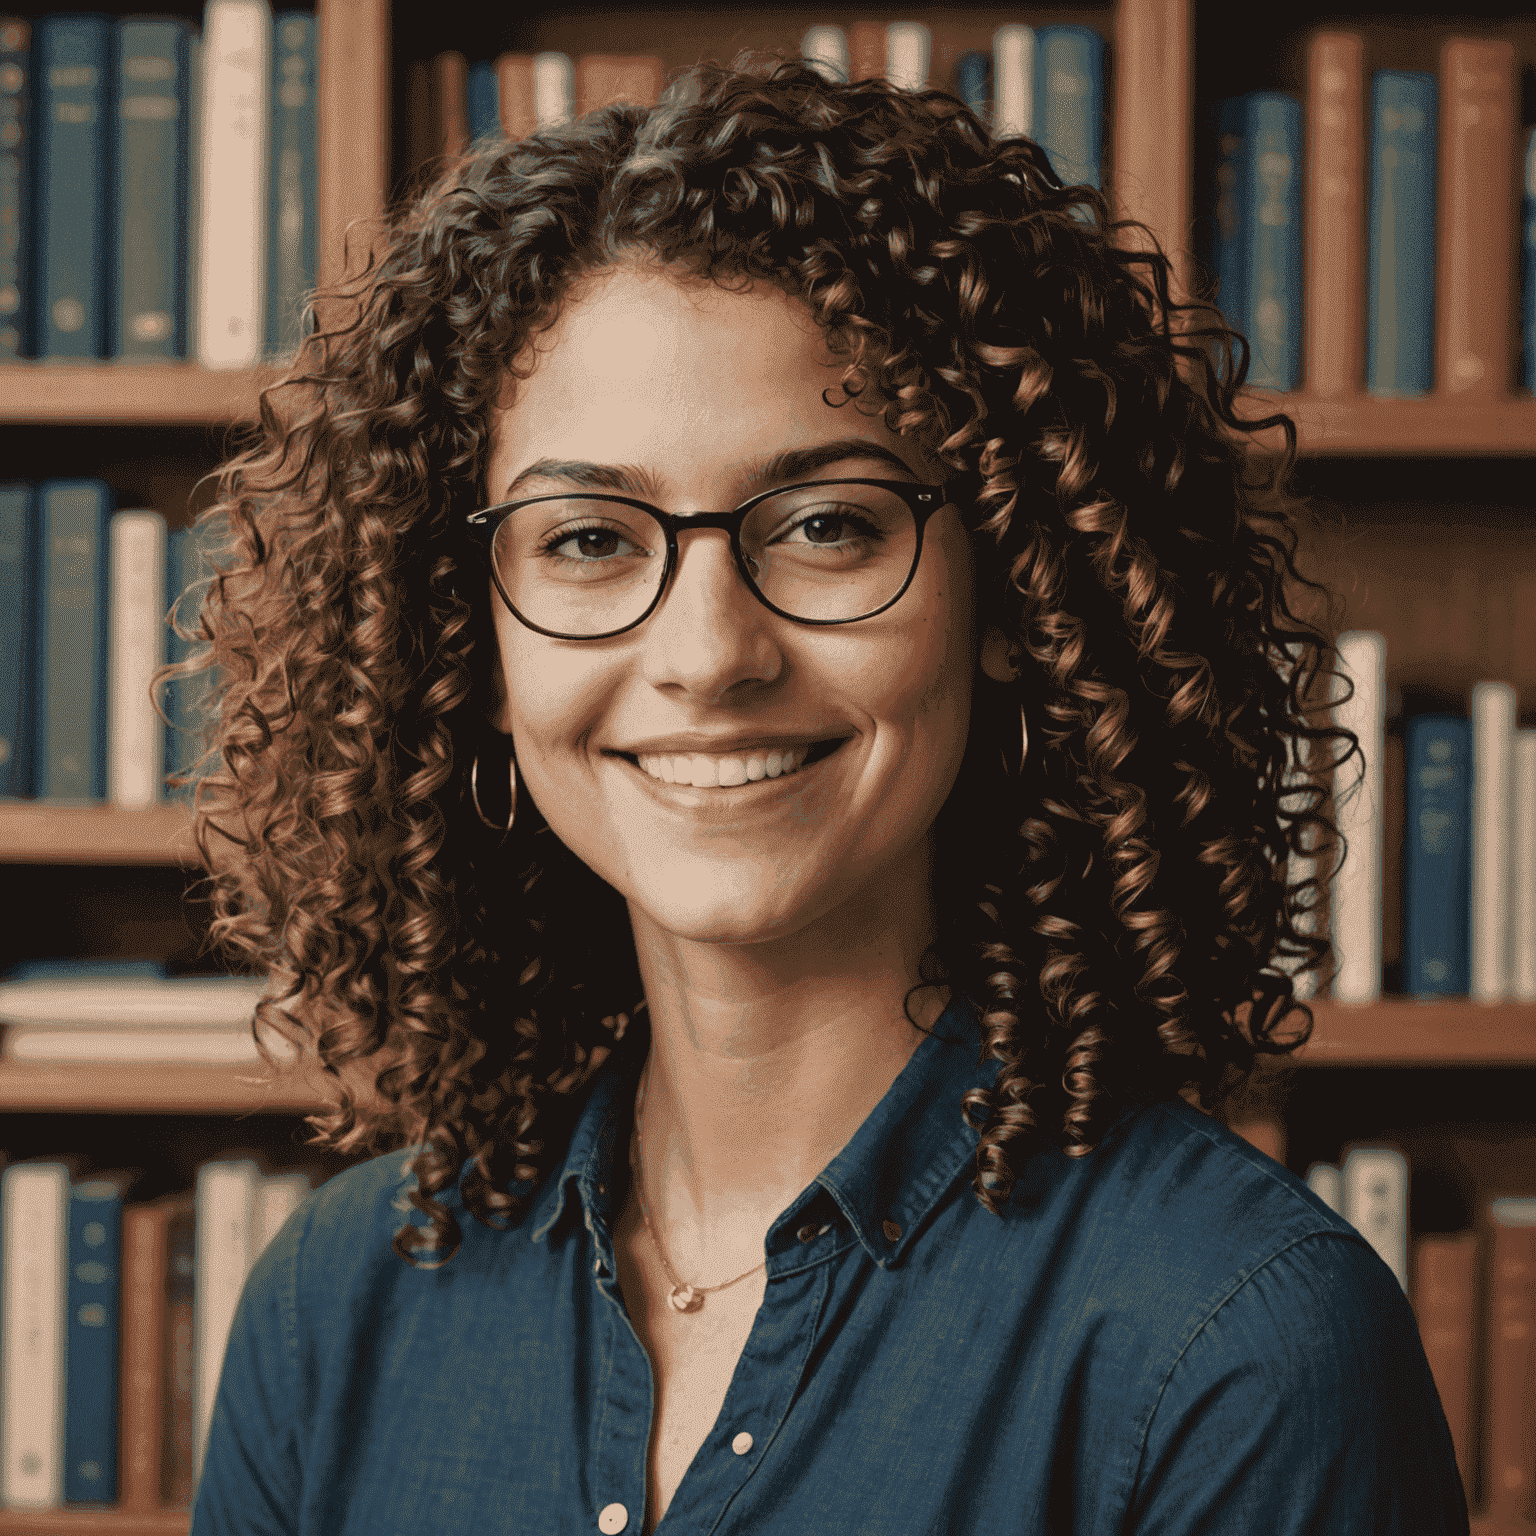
84	596
114	1317
157	185
1427	173
1047	83
1476	1315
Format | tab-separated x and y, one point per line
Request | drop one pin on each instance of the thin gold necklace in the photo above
683	1297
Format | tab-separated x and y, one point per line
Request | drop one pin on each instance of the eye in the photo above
592	543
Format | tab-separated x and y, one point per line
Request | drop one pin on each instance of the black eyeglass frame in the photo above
922	501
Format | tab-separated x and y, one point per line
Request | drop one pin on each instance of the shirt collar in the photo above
886	1180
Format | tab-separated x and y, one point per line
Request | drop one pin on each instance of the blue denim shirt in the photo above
1170	1335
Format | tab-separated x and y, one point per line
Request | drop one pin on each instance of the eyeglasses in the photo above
590	566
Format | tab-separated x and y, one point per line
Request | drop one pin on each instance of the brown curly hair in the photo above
1111	910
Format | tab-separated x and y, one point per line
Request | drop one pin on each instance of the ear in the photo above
998	656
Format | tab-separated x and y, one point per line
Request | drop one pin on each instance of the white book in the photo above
1327	1183
194	230
906	55
1522	850
132	1001
554	89
1493	749
1301	866
34	1258
1513	1210
135	647
1013	81
827	49
225	1045
225	1217
1357	889
278	1196
1376	1203
236	131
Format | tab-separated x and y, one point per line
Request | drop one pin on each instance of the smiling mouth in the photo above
700	772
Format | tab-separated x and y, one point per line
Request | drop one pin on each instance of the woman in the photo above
758	694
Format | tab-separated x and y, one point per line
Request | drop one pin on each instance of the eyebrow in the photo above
777	469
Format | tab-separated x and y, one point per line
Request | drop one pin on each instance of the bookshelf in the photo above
1413	560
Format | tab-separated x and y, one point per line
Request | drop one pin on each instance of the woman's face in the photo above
681	393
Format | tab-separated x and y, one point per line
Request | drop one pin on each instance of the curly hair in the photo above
1120	910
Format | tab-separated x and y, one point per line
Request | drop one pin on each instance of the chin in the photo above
710	906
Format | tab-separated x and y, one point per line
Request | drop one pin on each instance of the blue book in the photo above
15	181
1069	101
1400	299
181	700
1528	265
292	231
91	1338
149	309
71	668
1437	856
973	82
18	581
482	102
73	159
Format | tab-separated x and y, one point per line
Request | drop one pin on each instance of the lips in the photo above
728	770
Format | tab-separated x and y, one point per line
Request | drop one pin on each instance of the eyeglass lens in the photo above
831	551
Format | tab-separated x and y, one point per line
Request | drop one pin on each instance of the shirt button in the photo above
890	1229
613	1519
742	1443
807	1232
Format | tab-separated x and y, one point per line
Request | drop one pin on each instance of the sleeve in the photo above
1303	1407
250	1480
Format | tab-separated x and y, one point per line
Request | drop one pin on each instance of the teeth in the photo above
724	772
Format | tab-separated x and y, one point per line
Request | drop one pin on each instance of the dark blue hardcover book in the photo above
1528	265
482	102
185	568
1227	265
1069	101
973	82
292	240
1400	302
18	582
74	57
15	184
1269	239
1437	856
71	669
71	968
149	309
91	1338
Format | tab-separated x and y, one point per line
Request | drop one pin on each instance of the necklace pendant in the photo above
685	1299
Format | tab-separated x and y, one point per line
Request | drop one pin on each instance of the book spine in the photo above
292	234
278	1196
235	126
1479	116
973	82
1437	857
1511	1372
34	1237
1327	1183
1444	1296
178	1474
141	1444
1528	266
73	151
192	240
514	95
135	647
1069	101
149	309
482	102
1490	931
91	1347
15	184
1231	202
1272	226
18	579
1013	81
554	88
1355	909
447	77
183	731
866	50
907	46
1334	305
1401	283
1523	881
1375	1181
826	48
72	641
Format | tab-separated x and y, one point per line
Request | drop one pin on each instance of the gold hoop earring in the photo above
474	769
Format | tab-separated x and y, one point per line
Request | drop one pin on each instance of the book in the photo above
1375	1185
178	1471
1444	1297
1522	852
1355	907
605	78
1069	101
1400	289
1327	1183
515	95
73	159
482	103
18	580
148	312
15	184
292	224
71	656
826	48
187	569
907	46
135	647
1528	267
1437	856
34	1253
866	50
447	76
1013	81
193	244
235	124
93	1331
1333	304
1302	864
278	1196
1474	271
1510	1439
973	82
554	88
93	1045
1490	928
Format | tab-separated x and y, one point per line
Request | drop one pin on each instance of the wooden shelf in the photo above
128	394
80	1522
150	1088
1503	427
39	832
1407	1032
